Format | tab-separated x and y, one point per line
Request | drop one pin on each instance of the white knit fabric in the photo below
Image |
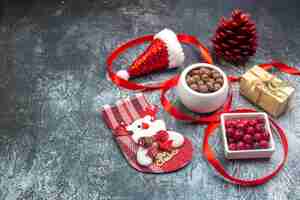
175	51
123	74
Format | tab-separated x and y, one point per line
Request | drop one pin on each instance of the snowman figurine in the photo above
148	129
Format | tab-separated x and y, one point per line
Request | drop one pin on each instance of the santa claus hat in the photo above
165	51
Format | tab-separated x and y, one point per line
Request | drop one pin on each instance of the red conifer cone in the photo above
235	39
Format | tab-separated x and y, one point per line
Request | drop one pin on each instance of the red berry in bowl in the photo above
260	127
229	124
238	135
252	122
231	140
257	137
240	145
246	122
237	121
265	136
260	121
234	123
240	125
264	144
248	138
248	146
250	130
232	147
230	132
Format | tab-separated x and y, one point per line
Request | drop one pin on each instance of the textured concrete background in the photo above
53	143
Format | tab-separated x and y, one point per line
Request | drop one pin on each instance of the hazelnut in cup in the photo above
203	87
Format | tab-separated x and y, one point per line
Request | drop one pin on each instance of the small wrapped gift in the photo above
266	90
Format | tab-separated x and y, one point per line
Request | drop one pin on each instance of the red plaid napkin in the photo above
124	113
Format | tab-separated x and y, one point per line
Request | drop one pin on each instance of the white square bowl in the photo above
252	153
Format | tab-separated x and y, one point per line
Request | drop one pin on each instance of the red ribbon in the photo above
212	120
214	117
217	165
186	39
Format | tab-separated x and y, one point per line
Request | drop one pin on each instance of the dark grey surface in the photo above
53	143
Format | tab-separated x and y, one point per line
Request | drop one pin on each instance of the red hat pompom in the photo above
165	51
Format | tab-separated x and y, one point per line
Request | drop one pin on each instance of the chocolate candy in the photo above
202	88
204	80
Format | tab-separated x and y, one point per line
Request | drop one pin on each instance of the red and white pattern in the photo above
124	113
165	51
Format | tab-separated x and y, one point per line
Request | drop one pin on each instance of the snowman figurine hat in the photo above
165	51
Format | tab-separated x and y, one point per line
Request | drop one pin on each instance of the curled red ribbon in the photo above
186	39
213	122
209	131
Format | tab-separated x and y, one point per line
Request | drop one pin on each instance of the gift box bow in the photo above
269	83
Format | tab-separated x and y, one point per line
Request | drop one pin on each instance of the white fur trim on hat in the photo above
175	51
123	74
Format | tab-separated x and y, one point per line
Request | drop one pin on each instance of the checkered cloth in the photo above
124	113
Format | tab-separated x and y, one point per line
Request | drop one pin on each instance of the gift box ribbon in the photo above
268	83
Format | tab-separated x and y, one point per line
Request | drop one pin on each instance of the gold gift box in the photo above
266	90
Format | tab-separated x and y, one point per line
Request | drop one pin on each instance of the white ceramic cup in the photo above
202	102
